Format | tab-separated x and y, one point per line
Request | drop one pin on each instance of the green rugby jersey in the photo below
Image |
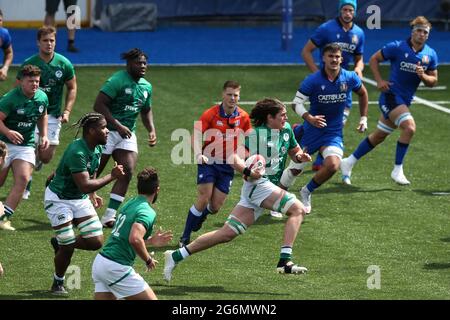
22	113
273	145
54	75
128	98
76	158
136	210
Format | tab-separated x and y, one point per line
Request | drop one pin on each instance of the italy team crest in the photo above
425	59
343	87
355	39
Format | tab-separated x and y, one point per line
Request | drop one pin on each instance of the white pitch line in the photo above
354	102
436	88
416	98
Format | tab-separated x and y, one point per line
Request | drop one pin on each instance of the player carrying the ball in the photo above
272	138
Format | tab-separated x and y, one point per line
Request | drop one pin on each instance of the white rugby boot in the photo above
292	268
346	170
398	176
169	265
305	198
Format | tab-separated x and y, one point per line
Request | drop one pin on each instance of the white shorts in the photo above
53	130
115	141
253	194
120	280
16	152
60	211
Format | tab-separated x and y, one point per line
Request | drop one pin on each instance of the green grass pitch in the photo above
403	232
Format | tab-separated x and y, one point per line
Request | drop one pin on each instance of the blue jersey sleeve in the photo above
356	82
319	37
433	62
5	38
306	87
389	50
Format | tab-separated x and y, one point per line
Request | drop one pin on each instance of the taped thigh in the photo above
332	151
403	117
383	127
237	226
91	228
65	236
284	202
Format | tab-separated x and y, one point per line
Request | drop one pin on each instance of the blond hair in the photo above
420	20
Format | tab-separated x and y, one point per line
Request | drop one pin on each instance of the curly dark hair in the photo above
89	120
132	54
263	108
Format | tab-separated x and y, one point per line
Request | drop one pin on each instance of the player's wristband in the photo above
247	172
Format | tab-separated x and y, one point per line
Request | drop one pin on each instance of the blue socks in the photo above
364	147
312	185
193	218
400	152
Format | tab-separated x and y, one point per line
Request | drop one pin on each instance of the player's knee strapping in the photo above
237	226
90	228
65	236
403	117
332	151
288	178
284	202
384	128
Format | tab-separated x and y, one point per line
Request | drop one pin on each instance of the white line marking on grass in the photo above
436	88
416	98
354	102
440	193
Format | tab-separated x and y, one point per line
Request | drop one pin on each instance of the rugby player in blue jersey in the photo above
344	32
6	46
328	91
412	61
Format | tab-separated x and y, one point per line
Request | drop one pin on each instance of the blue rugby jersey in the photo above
5	38
329	98
404	61
351	41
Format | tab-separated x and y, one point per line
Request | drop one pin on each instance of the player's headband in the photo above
421	27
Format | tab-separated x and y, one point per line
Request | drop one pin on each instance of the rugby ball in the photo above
255	162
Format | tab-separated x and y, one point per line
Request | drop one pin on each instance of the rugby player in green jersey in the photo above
123	96
66	198
273	139
113	273
21	109
57	72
